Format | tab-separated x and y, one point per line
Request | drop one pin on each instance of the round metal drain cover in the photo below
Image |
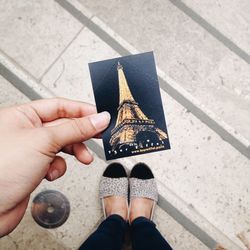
50	209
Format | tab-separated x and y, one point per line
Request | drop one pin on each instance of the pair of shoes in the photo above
140	184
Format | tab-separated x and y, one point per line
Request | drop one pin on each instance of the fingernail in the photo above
54	174
101	120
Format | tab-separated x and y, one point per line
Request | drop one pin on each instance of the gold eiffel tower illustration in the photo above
133	128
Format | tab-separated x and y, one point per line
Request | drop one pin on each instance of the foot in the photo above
116	205
114	190
140	207
143	192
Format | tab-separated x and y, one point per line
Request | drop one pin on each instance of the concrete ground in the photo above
202	54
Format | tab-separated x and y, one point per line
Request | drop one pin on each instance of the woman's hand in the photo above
31	135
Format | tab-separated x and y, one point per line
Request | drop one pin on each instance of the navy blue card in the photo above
128	88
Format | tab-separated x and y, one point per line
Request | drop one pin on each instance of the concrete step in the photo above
232	19
34	34
10	95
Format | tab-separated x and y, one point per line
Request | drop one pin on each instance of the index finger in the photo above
54	108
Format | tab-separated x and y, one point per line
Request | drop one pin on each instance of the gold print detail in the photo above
131	122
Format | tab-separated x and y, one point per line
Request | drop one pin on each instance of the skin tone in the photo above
138	207
32	135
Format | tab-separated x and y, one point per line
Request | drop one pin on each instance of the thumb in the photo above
79	129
